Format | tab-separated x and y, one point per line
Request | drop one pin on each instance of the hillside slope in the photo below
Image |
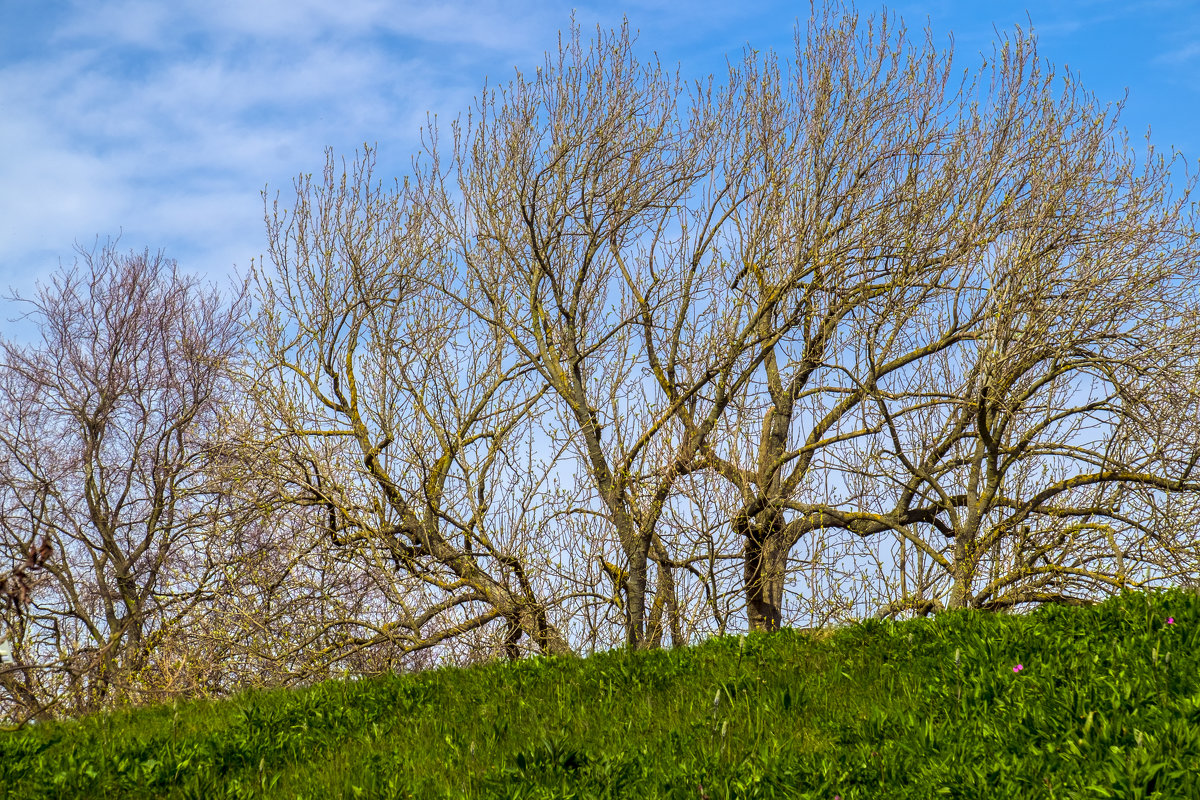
1091	702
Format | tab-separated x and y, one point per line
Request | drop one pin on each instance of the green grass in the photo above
879	710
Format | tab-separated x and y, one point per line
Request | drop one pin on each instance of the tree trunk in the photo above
764	568
635	634
963	571
665	601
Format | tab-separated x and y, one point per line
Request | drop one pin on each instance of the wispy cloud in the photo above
165	120
1180	55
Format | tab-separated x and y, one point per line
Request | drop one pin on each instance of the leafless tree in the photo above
914	212
395	418
758	282
1055	459
106	430
592	206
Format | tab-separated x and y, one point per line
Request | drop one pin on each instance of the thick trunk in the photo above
966	533
765	559
635	632
634	542
963	572
764	567
960	594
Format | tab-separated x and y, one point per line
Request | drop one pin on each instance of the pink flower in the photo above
1018	668
1170	620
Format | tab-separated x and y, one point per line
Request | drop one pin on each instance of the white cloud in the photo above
155	25
1180	55
166	120
139	23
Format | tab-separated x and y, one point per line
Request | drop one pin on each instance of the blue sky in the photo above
165	120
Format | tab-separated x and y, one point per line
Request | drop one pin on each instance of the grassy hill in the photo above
1061	703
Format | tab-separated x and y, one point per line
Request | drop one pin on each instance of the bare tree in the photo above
595	202
1072	412
106	430
391	415
870	192
897	206
649	251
